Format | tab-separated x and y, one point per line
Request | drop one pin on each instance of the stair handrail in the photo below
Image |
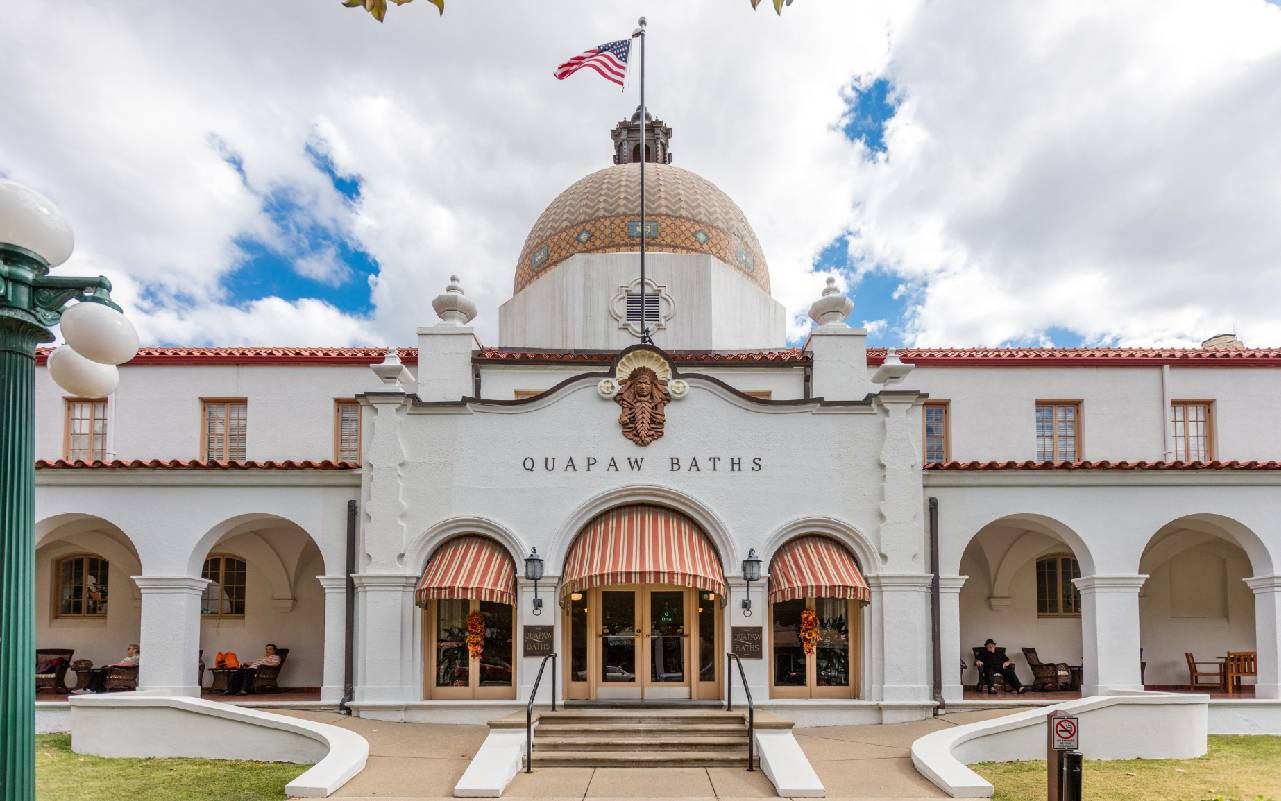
751	705
529	710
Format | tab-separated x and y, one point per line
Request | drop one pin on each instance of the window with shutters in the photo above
224	595
1193	439
85	433
224	424
346	430
1056	595
934	418
80	586
1058	431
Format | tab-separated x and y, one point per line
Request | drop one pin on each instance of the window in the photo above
454	672
225	593
832	669
224	435
652	305
1056	595
523	394
346	431
1192	437
85	436
1058	431
81	588
759	394
934	418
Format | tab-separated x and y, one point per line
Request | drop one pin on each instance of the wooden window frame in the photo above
526	394
946	406
473	690
1061	560
57	587
1078	427
67	404
339	405
205	403
222	572
811	688
1210	443
759	394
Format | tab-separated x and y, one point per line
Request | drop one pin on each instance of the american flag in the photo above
609	59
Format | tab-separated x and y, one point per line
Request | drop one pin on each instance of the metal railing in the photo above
751	706
529	710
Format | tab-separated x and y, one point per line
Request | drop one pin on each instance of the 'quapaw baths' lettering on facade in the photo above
642	464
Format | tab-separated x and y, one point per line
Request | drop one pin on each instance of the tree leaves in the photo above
778	5
378	8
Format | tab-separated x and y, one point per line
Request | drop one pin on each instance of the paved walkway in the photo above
424	761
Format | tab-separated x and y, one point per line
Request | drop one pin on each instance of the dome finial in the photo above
453	307
833	307
627	136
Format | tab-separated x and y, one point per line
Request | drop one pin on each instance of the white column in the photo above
169	641
386	648
331	688
950	636
1110	633
904	603
1267	634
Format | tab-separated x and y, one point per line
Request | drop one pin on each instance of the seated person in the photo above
98	676
241	679
991	663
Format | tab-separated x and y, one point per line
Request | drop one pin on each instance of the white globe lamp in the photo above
99	333
30	220
81	377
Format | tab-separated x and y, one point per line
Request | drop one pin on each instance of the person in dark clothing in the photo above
241	681
991	663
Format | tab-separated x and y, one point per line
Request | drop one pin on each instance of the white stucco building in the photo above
1111	508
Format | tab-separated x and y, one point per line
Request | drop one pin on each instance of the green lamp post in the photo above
33	239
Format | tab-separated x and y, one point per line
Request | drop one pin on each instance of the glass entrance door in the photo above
668	652
619	643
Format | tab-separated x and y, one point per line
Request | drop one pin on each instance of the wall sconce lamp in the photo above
751	572
534	572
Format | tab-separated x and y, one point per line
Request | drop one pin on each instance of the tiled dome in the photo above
685	213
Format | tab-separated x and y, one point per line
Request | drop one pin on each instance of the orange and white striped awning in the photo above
469	567
642	545
815	566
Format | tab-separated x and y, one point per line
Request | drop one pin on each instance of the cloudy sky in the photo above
293	172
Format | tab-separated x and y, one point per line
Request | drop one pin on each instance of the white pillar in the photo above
904	603
331	688
169	641
386	649
950	636
1267	634
1110	633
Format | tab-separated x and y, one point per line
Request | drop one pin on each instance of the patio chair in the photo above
265	677
121	678
51	669
1052	676
998	681
1199	679
1238	664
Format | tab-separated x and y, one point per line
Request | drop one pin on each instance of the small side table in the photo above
219	682
1077	671
82	667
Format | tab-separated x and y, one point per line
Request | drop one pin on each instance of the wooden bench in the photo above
1237	665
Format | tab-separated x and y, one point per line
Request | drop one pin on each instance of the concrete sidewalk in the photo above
423	761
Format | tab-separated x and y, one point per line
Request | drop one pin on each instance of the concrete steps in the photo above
628	738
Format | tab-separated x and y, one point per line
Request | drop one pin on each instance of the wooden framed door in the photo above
452	673
667	643
619	645
833	670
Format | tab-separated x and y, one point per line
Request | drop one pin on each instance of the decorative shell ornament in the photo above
643	358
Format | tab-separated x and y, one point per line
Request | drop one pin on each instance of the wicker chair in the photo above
121	677
998	681
265	677
51	669
1053	676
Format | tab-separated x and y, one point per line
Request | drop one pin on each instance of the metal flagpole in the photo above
640	32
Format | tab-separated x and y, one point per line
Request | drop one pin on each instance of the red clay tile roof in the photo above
193	464
926	357
1082	357
1105	465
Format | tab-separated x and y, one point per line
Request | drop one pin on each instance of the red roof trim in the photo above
1105	465
193	464
796	355
1081	357
256	355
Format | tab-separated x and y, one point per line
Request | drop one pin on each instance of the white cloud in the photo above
1106	169
324	266
874	327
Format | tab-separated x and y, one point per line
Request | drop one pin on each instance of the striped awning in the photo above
469	567
642	545
815	566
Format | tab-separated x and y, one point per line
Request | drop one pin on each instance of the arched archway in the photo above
1020	592
1196	601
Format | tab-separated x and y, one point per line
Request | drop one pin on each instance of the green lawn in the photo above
1236	768
64	776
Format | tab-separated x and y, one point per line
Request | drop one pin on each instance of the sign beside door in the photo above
539	640
745	642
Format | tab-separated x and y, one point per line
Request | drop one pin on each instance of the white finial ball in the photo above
99	333
81	377
30	220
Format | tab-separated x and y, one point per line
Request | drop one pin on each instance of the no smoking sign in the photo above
1065	734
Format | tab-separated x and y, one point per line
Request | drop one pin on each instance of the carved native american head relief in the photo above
642	388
